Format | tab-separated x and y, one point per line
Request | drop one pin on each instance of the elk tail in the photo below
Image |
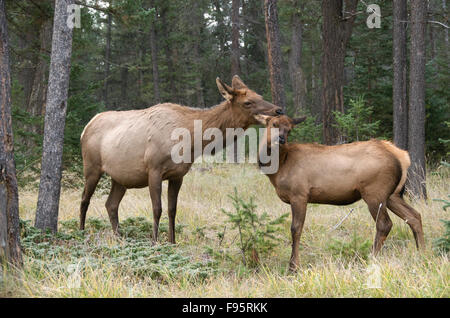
403	157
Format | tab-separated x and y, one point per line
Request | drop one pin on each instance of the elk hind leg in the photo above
403	210
91	181
112	204
383	223
173	190
155	185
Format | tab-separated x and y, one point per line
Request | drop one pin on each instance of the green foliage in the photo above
443	243
355	124
27	143
356	248
308	131
134	255
258	234
437	124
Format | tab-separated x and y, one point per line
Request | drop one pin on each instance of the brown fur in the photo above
134	147
310	173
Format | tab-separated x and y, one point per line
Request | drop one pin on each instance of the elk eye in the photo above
247	103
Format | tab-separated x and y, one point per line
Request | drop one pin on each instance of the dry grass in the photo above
324	271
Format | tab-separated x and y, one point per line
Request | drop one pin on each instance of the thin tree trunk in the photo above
399	95
28	64
107	60
220	26
168	55
198	18
275	58
336	31
10	250
444	9
416	114
154	52
295	68
124	84
36	105
235	52
313	66
55	116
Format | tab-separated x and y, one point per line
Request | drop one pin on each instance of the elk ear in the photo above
237	83
298	120
262	119
226	91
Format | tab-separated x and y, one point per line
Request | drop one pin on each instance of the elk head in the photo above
283	125
246	102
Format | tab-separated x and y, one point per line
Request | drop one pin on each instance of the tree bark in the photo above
198	18
336	31
169	56
36	104
154	52
416	113
235	46
295	58
275	58
55	116
444	9
399	86
10	250
220	30
107	60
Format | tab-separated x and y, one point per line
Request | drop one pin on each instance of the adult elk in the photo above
373	170
134	147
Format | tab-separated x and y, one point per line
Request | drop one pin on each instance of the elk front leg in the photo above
172	198
155	184
298	218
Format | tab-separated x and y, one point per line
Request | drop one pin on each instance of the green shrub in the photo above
257	233
308	131
443	243
355	124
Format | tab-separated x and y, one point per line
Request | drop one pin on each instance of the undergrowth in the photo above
133	254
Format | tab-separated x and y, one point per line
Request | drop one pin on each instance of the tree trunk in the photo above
124	83
235	52
336	31
444	9
416	114
107	60
399	95
154	52
275	58
221	35
169	57
295	69
36	105
55	116
198	18
10	250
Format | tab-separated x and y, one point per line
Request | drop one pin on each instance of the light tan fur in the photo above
134	147
342	174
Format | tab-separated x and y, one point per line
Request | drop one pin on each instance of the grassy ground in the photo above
334	263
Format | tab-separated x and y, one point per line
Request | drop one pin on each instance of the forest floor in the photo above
206	260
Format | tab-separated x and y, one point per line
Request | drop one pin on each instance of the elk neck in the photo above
223	116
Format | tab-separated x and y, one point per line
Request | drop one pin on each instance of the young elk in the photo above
134	147
373	170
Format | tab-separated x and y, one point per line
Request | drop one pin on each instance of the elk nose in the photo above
279	111
282	139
